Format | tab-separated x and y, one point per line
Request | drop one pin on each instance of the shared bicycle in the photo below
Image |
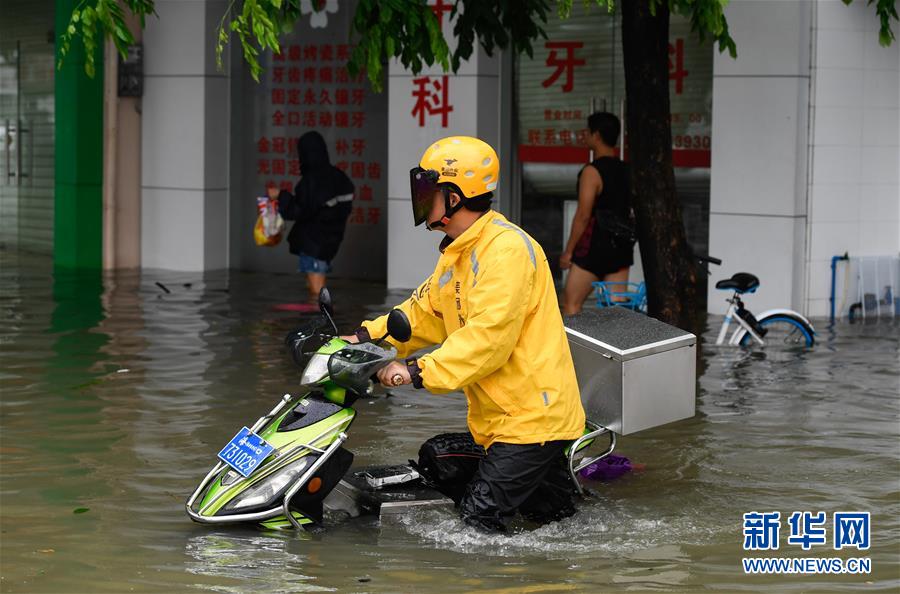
775	326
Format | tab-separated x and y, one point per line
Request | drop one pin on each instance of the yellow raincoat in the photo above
492	306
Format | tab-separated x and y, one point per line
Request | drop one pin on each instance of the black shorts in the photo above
604	256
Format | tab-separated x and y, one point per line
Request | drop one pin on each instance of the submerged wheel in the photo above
783	329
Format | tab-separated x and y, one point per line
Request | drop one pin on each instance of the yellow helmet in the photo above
466	164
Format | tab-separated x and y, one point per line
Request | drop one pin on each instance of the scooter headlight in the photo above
269	487
316	370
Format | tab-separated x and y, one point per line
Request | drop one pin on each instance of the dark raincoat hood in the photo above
313	153
320	204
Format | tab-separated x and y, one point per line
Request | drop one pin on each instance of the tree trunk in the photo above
669	269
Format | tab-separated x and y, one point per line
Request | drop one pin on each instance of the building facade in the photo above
785	156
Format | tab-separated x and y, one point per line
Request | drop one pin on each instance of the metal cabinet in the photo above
634	372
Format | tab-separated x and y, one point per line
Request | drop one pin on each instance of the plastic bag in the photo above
609	468
269	224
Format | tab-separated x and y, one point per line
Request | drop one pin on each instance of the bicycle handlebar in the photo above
708	259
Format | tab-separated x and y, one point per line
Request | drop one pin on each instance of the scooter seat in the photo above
741	282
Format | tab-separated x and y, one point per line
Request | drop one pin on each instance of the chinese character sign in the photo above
580	66
761	531
851	530
308	87
807	530
440	7
677	72
432	98
563	65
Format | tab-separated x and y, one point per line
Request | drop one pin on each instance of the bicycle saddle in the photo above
741	282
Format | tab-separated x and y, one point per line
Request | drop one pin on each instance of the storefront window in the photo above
27	116
307	87
577	70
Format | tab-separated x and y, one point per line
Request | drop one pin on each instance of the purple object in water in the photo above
607	469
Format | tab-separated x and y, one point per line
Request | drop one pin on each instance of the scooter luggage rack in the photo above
596	431
284	508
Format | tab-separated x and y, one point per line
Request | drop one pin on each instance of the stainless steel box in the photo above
634	372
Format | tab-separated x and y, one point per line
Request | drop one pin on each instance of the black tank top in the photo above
597	251
615	195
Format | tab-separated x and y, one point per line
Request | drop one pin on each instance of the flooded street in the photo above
118	391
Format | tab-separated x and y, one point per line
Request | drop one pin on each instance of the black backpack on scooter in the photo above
448	462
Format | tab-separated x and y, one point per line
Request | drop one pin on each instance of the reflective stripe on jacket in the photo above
491	305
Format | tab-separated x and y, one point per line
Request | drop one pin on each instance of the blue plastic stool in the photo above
622	294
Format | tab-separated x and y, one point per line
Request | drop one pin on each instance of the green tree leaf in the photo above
407	29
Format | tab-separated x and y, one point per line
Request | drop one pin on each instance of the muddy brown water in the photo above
118	392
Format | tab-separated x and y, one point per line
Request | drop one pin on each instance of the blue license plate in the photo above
245	452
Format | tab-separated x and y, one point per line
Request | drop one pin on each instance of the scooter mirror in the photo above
398	326
327	309
325	301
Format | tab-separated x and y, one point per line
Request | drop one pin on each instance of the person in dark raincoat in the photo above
320	206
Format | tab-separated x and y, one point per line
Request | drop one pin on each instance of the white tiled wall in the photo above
184	140
769	39
854	195
412	251
759	160
834	110
173	133
761	245
755	157
172	229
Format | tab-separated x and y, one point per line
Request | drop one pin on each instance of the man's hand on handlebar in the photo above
395	374
352	339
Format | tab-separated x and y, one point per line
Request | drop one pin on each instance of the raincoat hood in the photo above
313	152
320	204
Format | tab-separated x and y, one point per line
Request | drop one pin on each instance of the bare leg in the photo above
619	276
578	287
315	282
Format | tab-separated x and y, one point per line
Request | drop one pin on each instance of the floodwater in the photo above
117	393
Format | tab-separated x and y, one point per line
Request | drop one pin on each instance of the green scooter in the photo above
279	472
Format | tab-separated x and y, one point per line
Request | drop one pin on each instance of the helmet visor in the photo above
422	187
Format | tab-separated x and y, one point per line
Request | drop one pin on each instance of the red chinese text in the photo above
432	98
562	65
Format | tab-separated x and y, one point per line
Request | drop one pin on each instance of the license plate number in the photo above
245	452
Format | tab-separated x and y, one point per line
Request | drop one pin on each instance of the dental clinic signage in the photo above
307	87
431	94
579	65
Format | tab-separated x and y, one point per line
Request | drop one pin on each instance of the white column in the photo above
184	185
758	186
806	141
854	188
472	94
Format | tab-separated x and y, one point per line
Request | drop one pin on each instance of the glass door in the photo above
27	43
577	70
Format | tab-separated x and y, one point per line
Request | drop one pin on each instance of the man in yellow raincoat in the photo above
491	306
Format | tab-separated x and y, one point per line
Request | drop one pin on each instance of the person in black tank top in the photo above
592	252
